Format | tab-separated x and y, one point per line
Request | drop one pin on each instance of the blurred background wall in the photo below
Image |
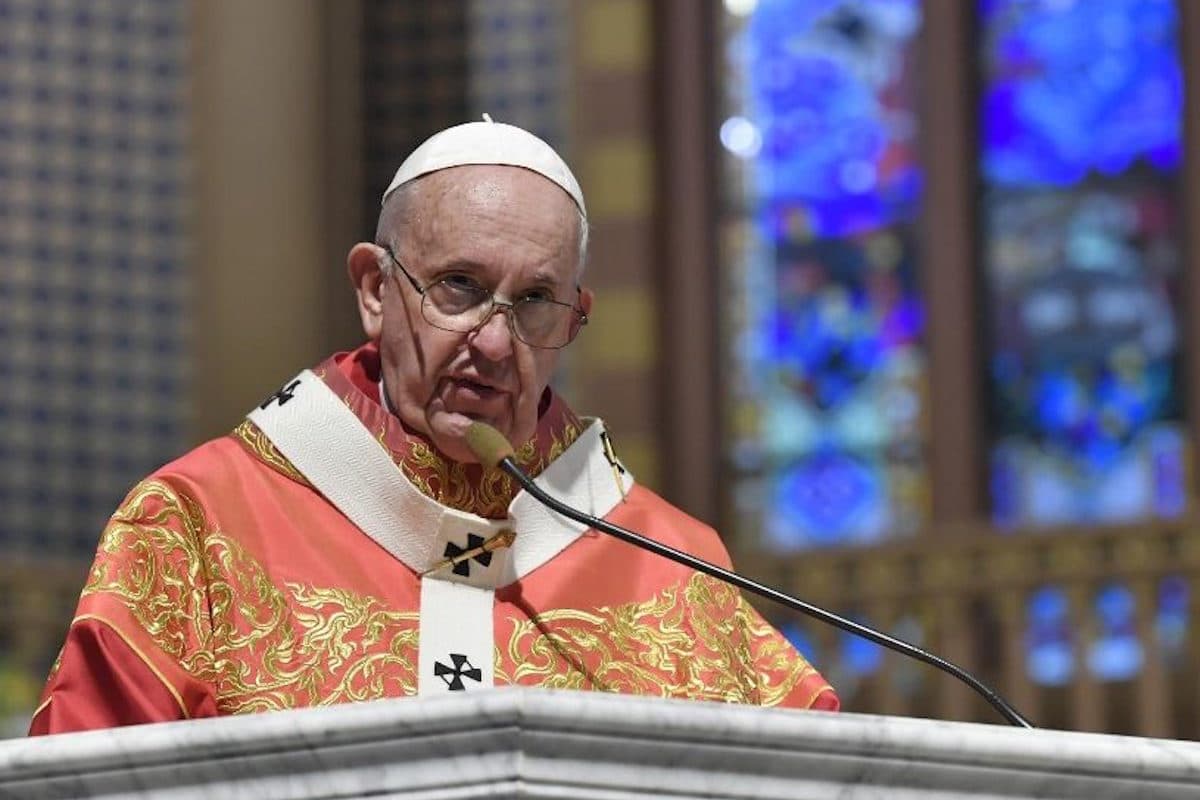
896	293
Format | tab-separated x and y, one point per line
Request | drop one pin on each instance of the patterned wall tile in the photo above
93	261
517	52
415	77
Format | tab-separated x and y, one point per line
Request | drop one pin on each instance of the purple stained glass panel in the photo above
822	186
1075	87
1081	125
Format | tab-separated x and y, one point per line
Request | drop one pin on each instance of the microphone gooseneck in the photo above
493	450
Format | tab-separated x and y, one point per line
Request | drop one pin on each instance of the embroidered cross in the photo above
283	395
452	676
464	567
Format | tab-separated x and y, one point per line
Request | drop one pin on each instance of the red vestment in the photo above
225	583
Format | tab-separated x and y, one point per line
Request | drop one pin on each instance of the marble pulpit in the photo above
538	743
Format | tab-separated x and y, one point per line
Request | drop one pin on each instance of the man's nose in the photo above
494	338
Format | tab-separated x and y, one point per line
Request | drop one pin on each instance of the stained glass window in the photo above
1112	651
1081	109
821	187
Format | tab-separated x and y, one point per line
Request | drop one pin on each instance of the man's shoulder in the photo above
203	459
645	512
239	461
221	478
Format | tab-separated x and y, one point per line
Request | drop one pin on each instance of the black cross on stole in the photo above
463	568
453	676
285	393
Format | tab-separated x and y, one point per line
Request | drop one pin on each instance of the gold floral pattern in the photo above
257	443
486	492
211	607
701	640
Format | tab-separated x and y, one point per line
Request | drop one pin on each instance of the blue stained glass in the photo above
859	656
1172	623
1048	658
827	365
1059	72
1085	356
827	94
1081	116
799	639
856	658
827	498
1116	655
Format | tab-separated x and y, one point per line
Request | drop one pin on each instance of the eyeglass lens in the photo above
462	308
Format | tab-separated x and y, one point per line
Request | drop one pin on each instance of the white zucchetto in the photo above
487	142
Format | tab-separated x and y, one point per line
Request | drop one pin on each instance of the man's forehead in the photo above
447	216
441	198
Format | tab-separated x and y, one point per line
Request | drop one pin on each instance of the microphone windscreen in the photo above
488	444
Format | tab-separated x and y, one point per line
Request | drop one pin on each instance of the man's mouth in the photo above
469	389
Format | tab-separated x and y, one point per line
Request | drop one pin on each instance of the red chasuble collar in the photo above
354	377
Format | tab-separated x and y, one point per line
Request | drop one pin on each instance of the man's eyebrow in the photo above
458	263
546	277
541	277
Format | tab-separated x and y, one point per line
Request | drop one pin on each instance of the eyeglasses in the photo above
460	305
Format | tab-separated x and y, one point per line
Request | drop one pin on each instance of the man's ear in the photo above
367	278
585	300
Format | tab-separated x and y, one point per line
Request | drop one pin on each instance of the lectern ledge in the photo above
513	743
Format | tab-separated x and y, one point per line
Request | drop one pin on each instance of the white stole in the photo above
326	442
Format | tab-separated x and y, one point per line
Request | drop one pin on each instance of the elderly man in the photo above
343	543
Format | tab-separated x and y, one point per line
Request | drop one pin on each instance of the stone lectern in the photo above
538	743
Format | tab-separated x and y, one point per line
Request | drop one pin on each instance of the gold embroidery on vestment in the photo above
485	492
702	642
206	603
261	446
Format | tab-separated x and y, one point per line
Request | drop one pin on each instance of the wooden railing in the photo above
964	593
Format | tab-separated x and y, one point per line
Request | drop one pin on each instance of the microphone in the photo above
493	450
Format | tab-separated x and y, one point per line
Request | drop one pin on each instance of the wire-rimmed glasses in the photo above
460	305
